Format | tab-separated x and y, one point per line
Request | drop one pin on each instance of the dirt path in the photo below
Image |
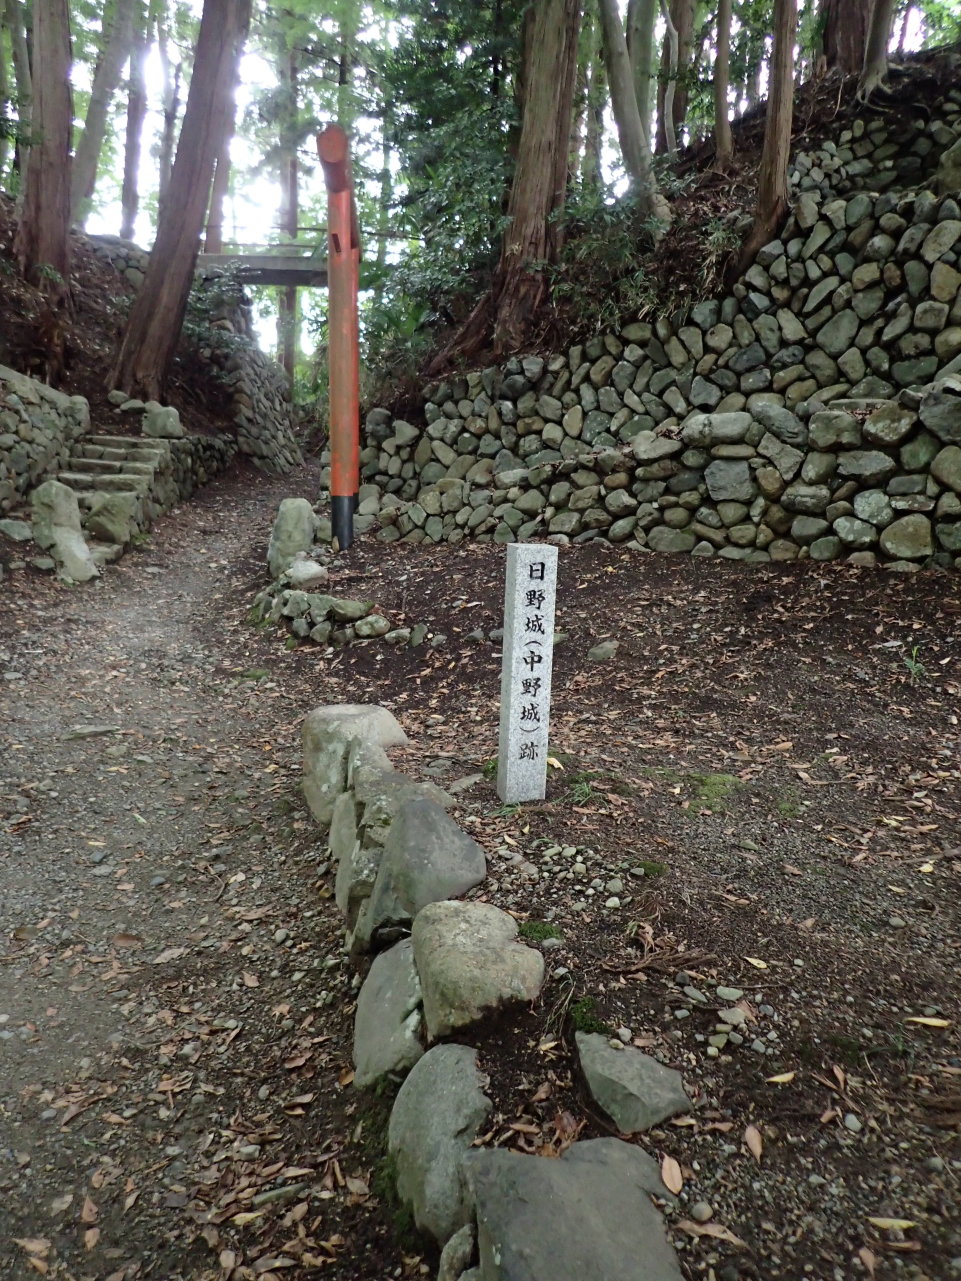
167	959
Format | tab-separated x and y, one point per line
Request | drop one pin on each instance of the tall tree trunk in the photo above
723	142
289	207
171	105
635	149
666	122
115	50
844	34
214	235
681	14
772	176
5	102
15	20
156	318
875	69
42	243
641	15
595	102
136	114
346	97
383	207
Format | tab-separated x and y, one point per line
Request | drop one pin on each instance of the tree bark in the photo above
635	149
136	114
772	200
289	207
681	13
639	31
5	121
157	315
214	235
16	24
171	105
672	44
595	101
844	34
115	51
723	142
42	243
875	68
534	235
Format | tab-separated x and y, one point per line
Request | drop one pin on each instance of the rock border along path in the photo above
588	1214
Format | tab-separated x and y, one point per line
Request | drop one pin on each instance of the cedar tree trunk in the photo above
42	244
772	175
158	311
14	19
114	53
136	114
723	142
844	34
672	89
534	235
639	30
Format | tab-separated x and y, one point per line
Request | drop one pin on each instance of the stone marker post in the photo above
526	671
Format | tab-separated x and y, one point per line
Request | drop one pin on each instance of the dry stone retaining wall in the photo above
787	420
38	430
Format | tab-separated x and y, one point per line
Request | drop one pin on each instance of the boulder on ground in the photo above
388	1018
470	964
56	528
293	533
634	1090
588	1215
113	517
161	421
434	1120
327	735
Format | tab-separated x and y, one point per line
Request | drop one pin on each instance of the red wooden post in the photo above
343	272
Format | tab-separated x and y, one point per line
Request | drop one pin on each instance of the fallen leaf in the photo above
170	954
782	1078
248	1216
250	980
671	1175
925	1021
89	1213
716	1230
357	1186
33	1245
893	1225
272	1264
90	1238
755	1144
758	964
869	1259
126	940
61	1203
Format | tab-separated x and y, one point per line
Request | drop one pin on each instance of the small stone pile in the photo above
709	435
440	967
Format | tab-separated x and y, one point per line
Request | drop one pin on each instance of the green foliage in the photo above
916	669
538	931
584	1018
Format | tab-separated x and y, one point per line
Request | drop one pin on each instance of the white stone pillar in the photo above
526	672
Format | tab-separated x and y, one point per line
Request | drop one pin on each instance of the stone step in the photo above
113	484
136	443
113	466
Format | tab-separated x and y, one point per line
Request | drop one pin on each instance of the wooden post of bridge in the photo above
343	273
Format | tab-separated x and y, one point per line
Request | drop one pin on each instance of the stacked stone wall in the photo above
38	428
788	419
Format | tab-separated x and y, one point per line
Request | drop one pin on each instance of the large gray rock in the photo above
470	964
161	421
293	533
909	538
426	858
946	467
586	1217
435	1117
55	518
114	517
388	1019
730	480
634	1090
785	425
648	448
868	466
940	410
327	735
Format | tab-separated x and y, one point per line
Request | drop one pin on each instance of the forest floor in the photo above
764	778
